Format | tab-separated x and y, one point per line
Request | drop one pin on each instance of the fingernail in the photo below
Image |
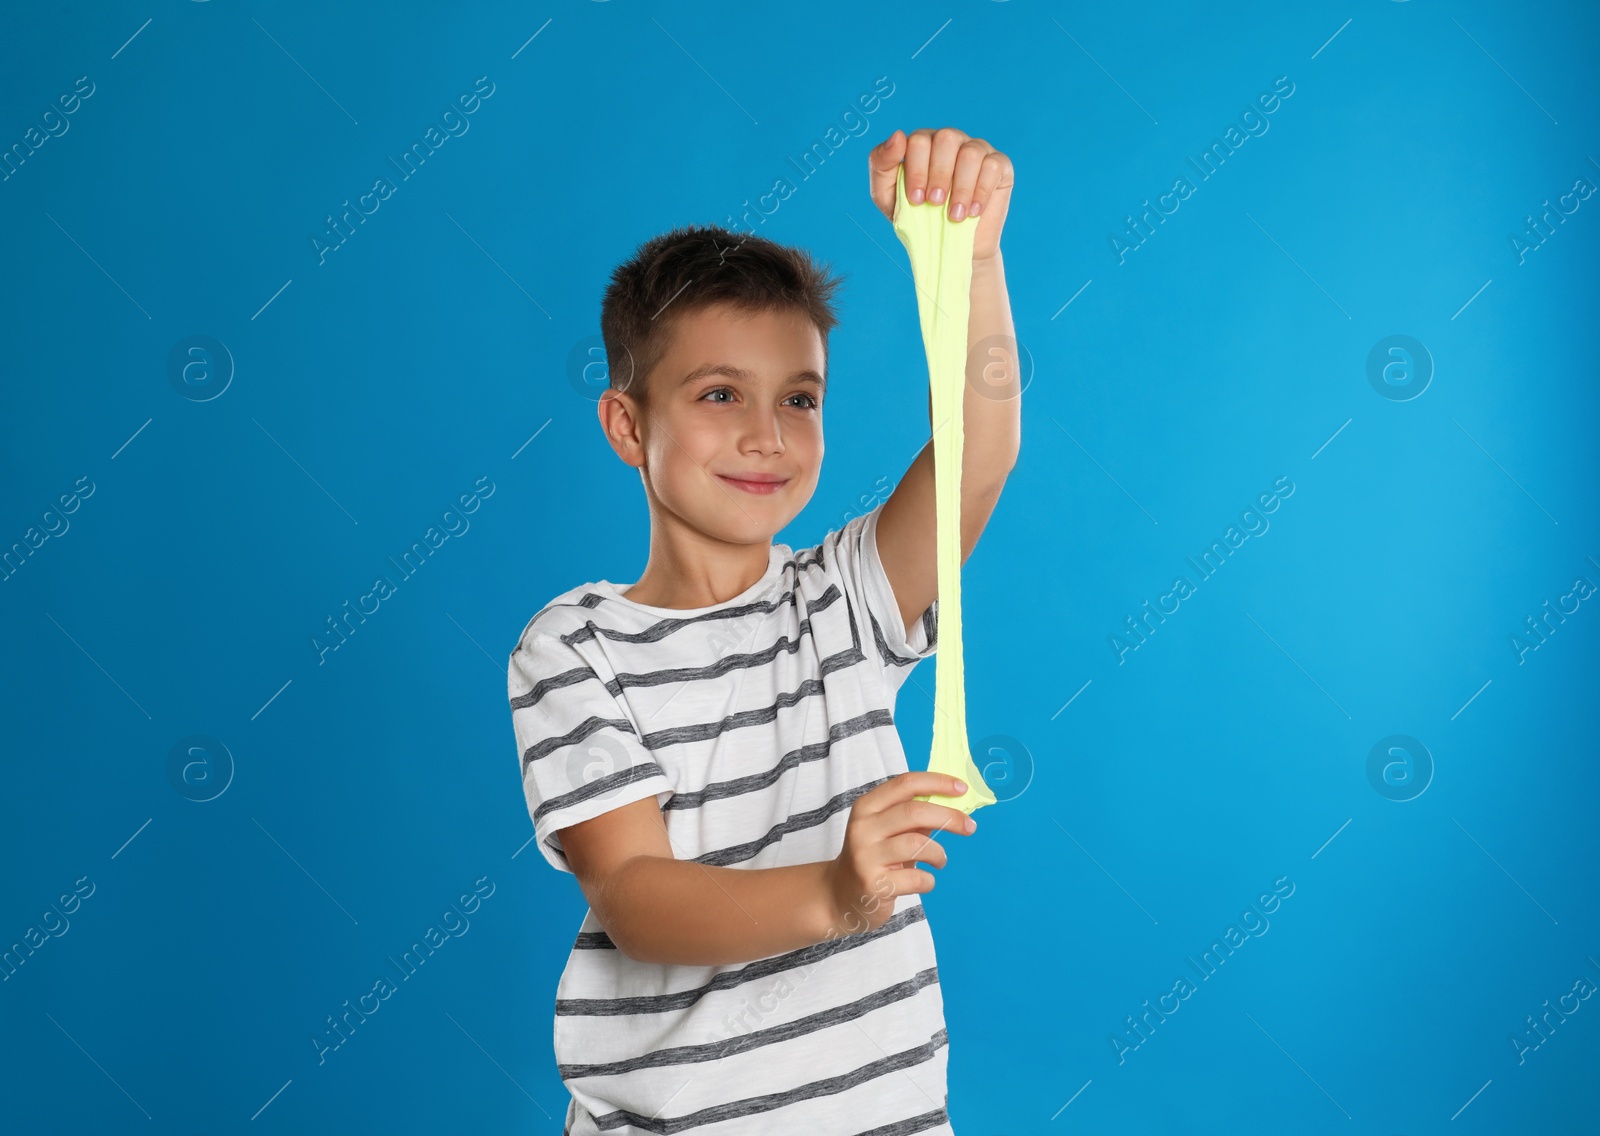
976	205
972	825
937	195
958	211
961	786
915	197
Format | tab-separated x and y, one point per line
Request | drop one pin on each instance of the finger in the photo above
957	789
915	847
911	881
907	879
925	815
927	780
919	783
918	146
947	142
964	178
883	160
905	786
996	174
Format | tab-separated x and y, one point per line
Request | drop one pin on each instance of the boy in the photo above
711	750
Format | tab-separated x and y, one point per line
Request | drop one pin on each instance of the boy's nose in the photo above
763	430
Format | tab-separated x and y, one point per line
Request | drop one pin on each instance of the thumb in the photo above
883	162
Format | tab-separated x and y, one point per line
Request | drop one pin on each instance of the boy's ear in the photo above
620	418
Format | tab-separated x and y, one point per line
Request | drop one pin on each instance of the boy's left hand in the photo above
966	175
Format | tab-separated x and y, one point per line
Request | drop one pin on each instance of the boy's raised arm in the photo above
955	171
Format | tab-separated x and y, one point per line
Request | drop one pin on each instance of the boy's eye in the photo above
810	403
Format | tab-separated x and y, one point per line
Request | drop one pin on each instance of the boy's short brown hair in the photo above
693	267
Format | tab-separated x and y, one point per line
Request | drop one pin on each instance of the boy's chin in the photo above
753	521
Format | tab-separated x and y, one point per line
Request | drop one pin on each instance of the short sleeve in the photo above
579	751
853	553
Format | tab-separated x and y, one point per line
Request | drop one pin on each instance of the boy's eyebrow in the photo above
739	374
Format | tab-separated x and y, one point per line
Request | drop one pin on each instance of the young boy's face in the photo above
736	396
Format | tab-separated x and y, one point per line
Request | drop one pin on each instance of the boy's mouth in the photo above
763	487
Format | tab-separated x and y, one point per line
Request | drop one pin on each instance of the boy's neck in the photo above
674	581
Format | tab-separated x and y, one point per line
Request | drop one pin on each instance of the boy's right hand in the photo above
887	834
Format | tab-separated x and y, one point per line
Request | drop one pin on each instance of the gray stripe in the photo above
773	1101
719	790
690	674
728	979
796	822
929	628
555	682
599	787
593	940
667	625
592	600
758	1039
573	736
815	751
696	731
914	1124
756	716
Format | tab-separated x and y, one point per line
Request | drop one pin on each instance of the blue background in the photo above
357	793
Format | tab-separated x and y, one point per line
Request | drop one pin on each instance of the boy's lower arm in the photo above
679	912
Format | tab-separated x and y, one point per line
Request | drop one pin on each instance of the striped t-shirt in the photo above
755	724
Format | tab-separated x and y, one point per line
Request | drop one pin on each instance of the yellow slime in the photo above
941	267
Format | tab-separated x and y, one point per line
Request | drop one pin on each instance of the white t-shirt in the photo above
755	724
